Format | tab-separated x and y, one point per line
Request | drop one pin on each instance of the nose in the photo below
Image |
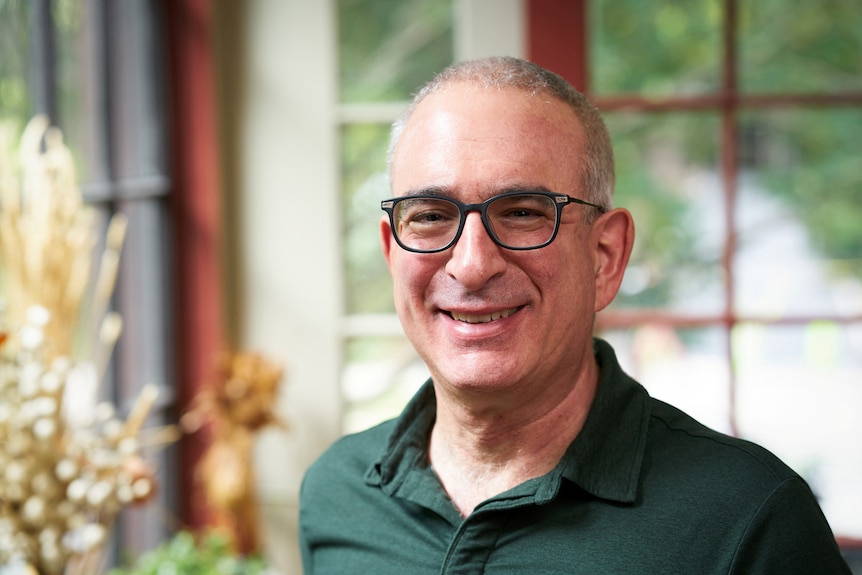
475	258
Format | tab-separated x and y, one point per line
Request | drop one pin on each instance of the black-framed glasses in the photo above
427	223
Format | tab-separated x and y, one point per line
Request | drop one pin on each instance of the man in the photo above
529	450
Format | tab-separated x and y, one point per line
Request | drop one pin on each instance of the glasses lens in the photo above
425	223
524	220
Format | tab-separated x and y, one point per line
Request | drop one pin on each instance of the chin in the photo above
478	374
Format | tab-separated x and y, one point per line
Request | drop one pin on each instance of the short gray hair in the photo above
597	177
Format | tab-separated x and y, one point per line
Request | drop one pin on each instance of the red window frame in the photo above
558	39
196	210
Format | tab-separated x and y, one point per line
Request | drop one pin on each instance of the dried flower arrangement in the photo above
238	401
68	462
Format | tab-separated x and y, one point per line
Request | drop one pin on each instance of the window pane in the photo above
655	47
799	392
74	74
667	178
364	185
380	377
388	48
813	46
800	200
15	107
684	367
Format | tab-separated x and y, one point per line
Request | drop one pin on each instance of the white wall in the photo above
289	261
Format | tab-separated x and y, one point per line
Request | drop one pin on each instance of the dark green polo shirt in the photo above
643	489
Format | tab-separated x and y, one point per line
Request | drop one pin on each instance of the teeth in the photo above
483	318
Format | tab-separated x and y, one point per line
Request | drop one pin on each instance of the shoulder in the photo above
723	479
710	454
737	494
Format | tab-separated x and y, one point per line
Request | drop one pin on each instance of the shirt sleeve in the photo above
789	536
304	548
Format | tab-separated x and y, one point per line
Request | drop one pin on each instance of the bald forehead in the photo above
479	139
459	92
460	107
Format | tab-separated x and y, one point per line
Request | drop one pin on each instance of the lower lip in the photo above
465	330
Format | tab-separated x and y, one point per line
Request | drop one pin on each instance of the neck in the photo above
481	448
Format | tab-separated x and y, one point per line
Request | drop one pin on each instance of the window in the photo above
96	69
736	126
387	49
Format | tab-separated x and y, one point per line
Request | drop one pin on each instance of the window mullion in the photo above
42	65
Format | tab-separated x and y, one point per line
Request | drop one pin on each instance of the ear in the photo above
613	237
386	240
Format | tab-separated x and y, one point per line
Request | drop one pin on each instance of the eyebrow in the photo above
442	191
446	191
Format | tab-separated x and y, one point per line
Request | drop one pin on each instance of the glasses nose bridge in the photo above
481	208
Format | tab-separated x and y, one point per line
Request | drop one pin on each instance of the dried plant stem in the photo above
110	265
47	239
164	435
140	410
109	333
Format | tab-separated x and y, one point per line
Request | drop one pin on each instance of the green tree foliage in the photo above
800	46
364	183
655	47
658	156
808	158
388	48
14	93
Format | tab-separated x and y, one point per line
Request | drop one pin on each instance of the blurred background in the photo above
246	143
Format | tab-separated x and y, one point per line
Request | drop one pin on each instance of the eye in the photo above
426	217
426	212
523	209
520	212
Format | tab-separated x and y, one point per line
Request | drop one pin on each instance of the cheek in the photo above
411	275
569	279
559	264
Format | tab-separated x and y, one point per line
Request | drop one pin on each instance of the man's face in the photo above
482	316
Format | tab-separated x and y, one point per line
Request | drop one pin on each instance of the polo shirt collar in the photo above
407	446
604	460
607	455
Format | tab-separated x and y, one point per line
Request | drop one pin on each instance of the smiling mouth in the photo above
482	318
